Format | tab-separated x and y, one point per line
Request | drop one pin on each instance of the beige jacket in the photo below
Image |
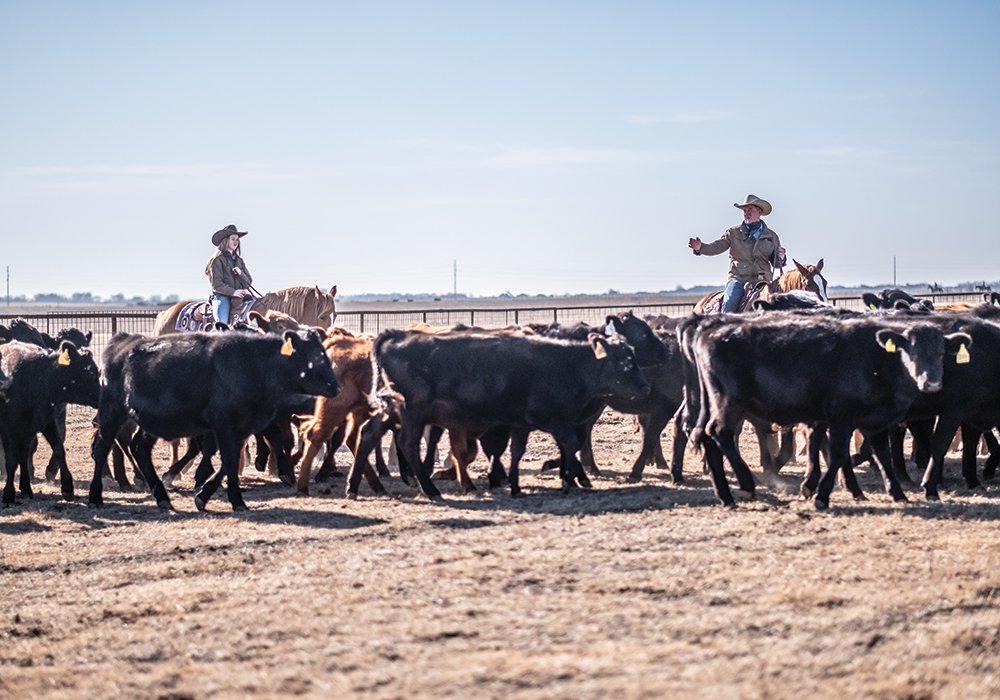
749	260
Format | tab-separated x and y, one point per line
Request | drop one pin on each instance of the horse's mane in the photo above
304	304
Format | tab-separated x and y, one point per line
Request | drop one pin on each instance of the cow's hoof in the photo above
806	492
240	507
900	498
165	504
90	505
633	479
449	474
68	496
748	495
199	503
730	506
168	482
302	493
286	479
436	498
351	496
859	497
821	505
516	493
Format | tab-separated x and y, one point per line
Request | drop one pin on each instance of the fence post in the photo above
472	318
114	323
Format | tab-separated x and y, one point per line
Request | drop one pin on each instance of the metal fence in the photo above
105	324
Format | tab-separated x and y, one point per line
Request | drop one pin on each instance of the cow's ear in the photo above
871	301
891	340
288	347
262	323
89	335
599	344
762	305
958	344
67	353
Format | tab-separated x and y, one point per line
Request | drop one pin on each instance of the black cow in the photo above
817	369
474	382
40	380
191	384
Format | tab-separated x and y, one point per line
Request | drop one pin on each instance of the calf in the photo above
40	381
191	384
816	369
474	382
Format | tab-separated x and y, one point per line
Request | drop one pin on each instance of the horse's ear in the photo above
318	290
819	266
333	291
804	271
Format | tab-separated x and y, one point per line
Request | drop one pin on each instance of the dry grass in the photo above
627	591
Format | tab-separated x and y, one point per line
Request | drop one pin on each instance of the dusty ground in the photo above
646	590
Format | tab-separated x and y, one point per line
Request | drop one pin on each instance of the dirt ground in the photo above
625	591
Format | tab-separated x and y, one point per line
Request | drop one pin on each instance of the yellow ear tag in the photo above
873	307
64	357
599	352
286	349
962	357
889	346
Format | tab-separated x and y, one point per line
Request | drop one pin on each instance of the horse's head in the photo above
326	307
811	279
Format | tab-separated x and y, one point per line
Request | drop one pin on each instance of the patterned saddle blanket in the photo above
198	316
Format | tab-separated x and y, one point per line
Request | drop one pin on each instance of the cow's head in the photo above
76	375
304	360
620	376
922	349
648	348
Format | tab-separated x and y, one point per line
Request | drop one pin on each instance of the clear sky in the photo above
546	146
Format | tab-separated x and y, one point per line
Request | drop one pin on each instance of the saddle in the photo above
752	291
198	316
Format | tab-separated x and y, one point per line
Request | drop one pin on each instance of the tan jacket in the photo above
749	260
221	276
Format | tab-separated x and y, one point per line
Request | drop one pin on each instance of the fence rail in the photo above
105	324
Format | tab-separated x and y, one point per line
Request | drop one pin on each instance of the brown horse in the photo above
307	305
807	278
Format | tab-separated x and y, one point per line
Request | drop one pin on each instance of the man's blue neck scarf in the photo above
753	230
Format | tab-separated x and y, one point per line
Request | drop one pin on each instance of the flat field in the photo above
625	591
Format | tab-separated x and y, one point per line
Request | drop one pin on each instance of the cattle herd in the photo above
794	363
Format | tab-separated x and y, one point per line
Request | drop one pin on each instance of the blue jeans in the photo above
731	297
220	307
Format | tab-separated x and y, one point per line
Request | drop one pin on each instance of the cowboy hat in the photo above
754	200
225	233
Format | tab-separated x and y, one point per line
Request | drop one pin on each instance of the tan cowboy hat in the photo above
225	233
754	200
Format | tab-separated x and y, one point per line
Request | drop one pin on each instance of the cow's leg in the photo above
571	468
940	441
880	447
518	445
717	472
409	449
814	445
312	448
680	444
329	466
652	428
142	448
726	440
204	470
10	463
767	443
110	418
263	453
229	446
990	467
585	433
54	438
970	441
175	469
896	435
370	440
786	449
840	454
55	465
923	435
275	440
494	442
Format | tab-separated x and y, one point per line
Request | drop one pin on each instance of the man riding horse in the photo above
754	251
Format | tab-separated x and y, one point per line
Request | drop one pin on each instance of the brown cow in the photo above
351	356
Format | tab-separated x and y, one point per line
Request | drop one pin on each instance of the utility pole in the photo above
894	271
8	285
454	278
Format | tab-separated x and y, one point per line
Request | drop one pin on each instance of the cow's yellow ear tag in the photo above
64	357
599	352
873	307
962	357
889	346
286	349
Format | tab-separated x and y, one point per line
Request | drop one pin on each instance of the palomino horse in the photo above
308	305
807	278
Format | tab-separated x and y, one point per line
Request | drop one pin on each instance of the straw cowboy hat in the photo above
225	233
754	200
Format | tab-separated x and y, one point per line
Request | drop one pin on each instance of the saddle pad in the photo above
194	317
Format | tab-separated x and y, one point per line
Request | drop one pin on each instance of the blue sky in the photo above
548	147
